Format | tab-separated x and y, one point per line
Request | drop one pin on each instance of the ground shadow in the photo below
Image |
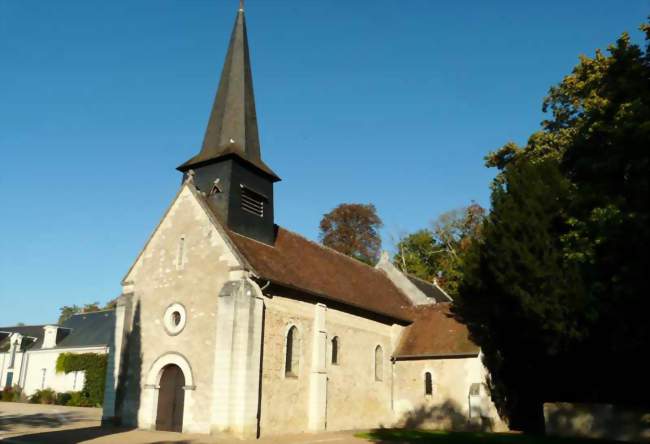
430	424
185	441
403	436
50	420
70	436
445	416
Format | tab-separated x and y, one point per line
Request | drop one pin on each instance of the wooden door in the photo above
171	397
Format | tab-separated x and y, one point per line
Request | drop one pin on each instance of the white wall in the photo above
39	363
4	367
448	406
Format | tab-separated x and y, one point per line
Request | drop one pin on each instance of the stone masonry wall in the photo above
191	275
448	407
353	399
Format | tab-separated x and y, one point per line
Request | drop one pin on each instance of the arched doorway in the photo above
171	397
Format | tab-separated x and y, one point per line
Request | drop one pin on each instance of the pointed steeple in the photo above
232	127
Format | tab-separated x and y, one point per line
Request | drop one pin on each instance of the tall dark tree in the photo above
564	293
520	298
353	229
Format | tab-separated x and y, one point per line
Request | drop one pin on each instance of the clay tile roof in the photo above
435	333
298	263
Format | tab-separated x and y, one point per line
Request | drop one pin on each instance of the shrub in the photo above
94	364
12	394
43	396
7	394
79	399
63	398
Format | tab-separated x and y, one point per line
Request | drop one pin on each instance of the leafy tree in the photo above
67	311
89	308
353	229
437	253
585	328
418	253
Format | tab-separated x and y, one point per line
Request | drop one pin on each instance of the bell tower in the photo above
229	168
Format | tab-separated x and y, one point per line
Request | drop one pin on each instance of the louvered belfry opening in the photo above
252	202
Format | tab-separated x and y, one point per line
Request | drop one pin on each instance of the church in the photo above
230	324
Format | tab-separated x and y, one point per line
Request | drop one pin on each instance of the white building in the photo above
28	354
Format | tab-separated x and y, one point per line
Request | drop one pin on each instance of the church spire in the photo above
232	126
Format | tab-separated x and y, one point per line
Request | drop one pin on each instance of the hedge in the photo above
94	364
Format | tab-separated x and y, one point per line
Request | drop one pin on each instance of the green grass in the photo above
440	437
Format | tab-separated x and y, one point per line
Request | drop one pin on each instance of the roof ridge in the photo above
325	247
419	278
92	312
404	301
405	298
24	326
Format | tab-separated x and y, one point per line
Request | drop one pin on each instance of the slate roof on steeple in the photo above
232	127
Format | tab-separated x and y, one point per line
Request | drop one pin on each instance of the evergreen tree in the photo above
438	253
556	294
520	298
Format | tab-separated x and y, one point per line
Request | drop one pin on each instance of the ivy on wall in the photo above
94	364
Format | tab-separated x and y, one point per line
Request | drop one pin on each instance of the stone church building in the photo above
228	323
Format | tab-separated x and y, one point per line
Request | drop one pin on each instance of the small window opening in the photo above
44	370
335	350
181	252
252	202
379	363
428	384
176	318
292	363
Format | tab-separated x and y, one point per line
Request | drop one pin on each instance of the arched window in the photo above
428	384
335	350
379	363
292	356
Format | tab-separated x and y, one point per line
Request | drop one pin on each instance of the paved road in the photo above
46	424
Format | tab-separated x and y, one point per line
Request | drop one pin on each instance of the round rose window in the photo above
175	319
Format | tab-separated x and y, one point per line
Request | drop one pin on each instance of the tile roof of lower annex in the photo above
435	332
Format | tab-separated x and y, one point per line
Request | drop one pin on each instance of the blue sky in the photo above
383	101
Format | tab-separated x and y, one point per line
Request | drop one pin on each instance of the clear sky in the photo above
393	102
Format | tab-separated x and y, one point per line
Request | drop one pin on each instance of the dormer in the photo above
15	342
50	336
